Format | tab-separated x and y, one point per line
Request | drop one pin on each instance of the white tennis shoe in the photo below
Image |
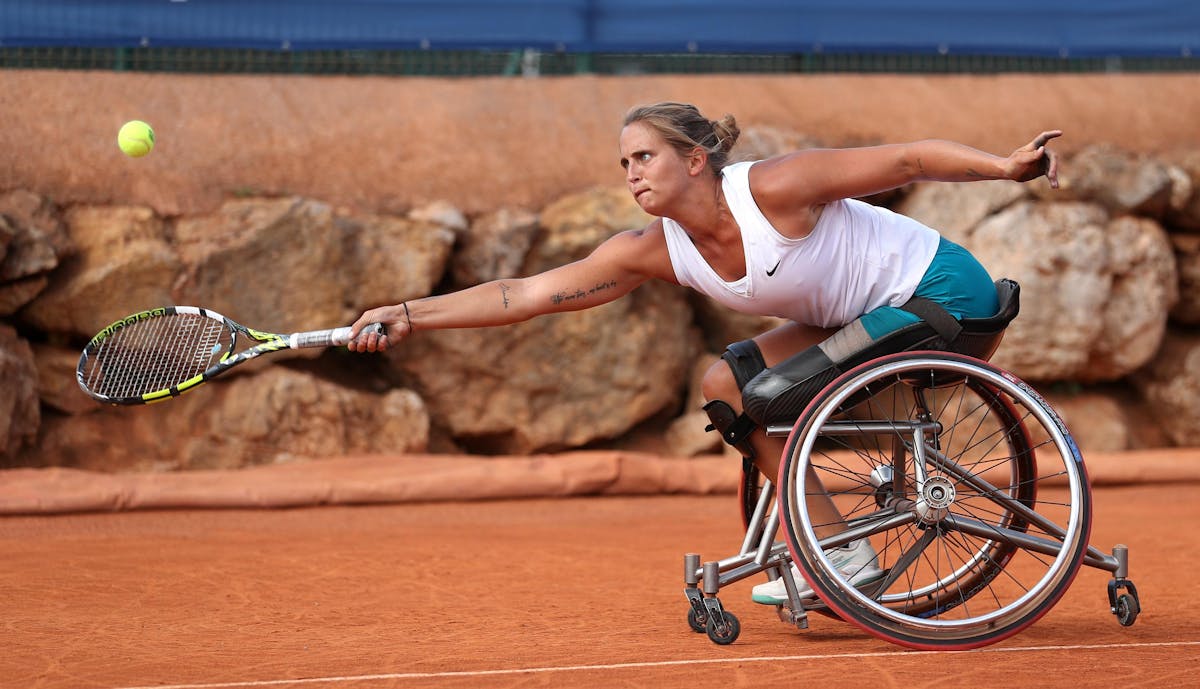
856	561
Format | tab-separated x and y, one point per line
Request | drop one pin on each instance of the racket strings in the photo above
156	354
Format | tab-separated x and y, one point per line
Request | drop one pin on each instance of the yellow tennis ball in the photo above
136	138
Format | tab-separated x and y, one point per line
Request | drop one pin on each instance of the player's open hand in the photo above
396	325
1035	159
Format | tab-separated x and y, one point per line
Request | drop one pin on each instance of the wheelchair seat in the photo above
980	337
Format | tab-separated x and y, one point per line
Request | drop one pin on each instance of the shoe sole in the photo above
763	599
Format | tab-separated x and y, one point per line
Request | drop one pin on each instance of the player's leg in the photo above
720	385
808	355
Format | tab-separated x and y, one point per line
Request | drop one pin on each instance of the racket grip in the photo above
336	337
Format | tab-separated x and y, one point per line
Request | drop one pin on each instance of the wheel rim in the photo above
958	550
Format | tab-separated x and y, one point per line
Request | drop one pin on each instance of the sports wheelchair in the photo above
966	483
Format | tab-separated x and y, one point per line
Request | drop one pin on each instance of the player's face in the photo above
654	172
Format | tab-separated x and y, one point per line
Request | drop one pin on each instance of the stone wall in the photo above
306	236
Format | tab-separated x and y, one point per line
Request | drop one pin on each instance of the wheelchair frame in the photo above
954	470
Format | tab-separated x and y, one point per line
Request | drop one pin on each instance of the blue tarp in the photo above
1076	28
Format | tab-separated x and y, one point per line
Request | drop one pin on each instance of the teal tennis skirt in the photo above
955	279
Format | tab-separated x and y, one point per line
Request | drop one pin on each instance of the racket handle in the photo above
325	338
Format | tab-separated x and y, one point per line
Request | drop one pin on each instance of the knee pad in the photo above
745	359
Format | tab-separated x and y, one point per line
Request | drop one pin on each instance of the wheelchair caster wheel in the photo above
723	633
1123	601
698	623
1127	609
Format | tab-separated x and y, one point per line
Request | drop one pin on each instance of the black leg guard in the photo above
783	390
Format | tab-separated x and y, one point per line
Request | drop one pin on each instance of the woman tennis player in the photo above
778	237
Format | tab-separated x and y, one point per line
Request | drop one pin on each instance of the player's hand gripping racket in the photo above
161	353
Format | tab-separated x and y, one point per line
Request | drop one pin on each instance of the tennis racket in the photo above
161	353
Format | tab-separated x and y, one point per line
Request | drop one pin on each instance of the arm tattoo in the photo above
582	293
504	293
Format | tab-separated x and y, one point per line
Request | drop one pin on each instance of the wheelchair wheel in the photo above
966	484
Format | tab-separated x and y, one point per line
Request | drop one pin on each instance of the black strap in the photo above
740	430
734	428
936	315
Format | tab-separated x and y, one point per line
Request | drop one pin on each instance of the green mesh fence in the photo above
443	63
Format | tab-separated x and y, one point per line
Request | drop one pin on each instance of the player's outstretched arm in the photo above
613	270
818	176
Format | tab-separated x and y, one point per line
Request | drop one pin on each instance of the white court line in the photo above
650	664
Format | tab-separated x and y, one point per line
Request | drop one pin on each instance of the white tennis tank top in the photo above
858	257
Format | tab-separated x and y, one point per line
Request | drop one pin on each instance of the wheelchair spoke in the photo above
978	565
988	490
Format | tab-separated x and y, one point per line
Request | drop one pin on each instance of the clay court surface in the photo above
574	592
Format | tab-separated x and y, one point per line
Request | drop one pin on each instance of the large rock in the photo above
391	259
494	247
8	232
1170	385
1094	293
558	381
33	238
123	264
574	225
274	416
1119	180
19	412
18	293
274	264
57	385
955	210
32	243
1187	263
1183	211
1143	290
758	142
441	213
292	264
1096	419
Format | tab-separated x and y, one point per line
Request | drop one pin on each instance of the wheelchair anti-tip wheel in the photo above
964	481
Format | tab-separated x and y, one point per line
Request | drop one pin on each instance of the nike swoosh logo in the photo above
772	271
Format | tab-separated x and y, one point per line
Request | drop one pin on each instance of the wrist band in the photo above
407	316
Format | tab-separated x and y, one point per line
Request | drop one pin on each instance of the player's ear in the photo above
697	161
